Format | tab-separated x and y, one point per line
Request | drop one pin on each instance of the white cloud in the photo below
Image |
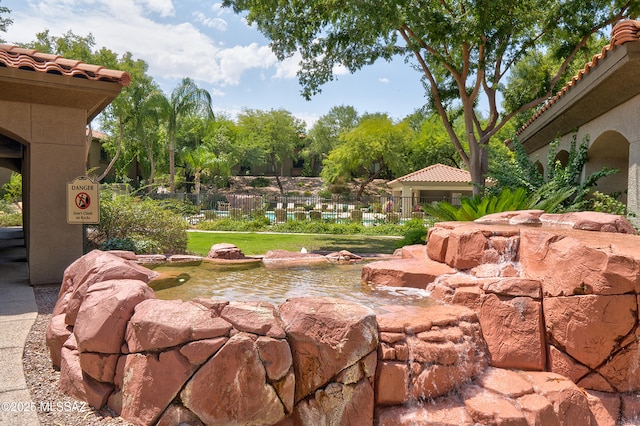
217	23
163	7
383	80
288	68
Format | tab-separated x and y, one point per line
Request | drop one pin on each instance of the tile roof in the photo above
436	173
28	59
623	32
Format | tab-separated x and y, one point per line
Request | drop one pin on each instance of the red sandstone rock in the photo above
254	317
199	351
504	382
563	364
630	409
125	254
437	380
158	324
513	330
486	407
57	333
595	381
605	407
392	383
231	387
465	248
449	411
437	243
623	370
326	336
151	382
515	287
569	402
287	259
337	404
343	256
596	323
415	251
79	386
185	259
178	415
580	262
104	313
97	267
518	217
101	367
275	355
537	410
590	221
225	251
416	273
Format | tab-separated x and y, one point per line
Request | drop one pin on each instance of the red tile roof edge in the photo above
623	32
17	57
463	176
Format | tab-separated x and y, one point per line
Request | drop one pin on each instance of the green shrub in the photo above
12	190
260	182
226	224
152	228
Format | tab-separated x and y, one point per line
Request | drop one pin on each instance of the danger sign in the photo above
83	205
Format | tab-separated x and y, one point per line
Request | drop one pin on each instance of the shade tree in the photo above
463	50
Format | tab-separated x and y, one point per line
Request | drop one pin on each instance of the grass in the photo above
253	243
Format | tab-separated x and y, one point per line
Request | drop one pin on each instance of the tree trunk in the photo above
152	168
172	163
478	165
115	157
275	171
196	178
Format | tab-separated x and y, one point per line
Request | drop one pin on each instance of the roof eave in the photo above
597	92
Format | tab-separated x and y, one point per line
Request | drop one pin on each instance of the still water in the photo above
257	283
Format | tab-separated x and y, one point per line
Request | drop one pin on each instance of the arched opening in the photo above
538	165
12	243
610	149
562	157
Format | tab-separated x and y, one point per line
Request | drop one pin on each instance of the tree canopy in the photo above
464	49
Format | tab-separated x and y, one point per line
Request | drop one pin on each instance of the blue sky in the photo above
215	47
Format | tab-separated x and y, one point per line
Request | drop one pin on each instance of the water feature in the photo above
256	283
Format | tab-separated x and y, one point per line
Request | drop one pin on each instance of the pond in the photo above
257	283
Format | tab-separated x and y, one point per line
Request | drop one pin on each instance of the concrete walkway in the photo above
18	312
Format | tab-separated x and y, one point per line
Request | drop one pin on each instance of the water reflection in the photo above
255	283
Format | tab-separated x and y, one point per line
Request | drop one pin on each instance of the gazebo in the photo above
46	102
434	183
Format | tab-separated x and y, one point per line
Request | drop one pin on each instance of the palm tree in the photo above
203	161
185	99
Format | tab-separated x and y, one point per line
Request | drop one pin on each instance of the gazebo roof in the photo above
28	59
436	173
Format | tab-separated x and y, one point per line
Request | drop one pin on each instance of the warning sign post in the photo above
83	202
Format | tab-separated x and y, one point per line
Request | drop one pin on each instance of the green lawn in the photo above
259	243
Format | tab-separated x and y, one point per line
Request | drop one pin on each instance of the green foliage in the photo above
9	214
12	190
472	208
464	49
560	188
415	232
4	22
228	224
151	228
608	204
260	182
376	141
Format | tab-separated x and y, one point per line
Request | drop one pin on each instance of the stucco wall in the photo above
54	155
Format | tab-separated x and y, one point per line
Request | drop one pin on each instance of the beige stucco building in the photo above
46	103
603	103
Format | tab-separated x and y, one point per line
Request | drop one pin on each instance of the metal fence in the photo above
279	208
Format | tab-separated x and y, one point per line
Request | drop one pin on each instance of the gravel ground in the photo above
42	378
